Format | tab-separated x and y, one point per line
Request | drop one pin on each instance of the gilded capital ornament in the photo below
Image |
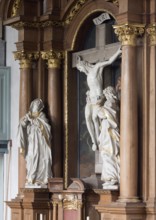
53	58
54	203
151	30
128	33
70	202
25	58
25	64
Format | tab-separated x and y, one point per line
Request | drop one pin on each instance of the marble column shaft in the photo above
129	112
129	125
54	108
151	30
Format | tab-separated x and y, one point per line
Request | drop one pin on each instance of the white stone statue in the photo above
34	137
109	139
95	97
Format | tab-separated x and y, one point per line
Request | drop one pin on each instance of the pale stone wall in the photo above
11	159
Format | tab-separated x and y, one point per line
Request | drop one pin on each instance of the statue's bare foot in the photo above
94	147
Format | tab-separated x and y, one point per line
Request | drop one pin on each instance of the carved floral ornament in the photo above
74	10
151	30
15	7
127	33
116	2
21	24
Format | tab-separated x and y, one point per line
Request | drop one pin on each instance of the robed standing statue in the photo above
34	140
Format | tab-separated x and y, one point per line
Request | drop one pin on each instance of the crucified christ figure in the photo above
95	97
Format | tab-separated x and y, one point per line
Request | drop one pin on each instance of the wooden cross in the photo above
104	48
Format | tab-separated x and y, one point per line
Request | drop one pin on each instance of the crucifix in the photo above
104	48
92	62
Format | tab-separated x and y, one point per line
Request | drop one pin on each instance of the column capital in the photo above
53	58
25	58
151	30
128	33
70	202
55	203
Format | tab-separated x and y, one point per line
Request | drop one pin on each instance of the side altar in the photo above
93	121
54	203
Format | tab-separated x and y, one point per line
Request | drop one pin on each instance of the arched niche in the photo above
6	8
76	40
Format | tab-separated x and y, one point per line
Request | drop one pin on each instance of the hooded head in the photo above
110	93
36	106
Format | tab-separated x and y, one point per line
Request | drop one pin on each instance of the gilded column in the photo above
54	106
129	114
151	30
25	59
54	210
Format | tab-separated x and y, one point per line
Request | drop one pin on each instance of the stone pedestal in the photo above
110	209
31	204
106	198
125	211
91	198
151	209
67	204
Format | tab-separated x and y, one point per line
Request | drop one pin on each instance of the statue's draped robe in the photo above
109	142
35	138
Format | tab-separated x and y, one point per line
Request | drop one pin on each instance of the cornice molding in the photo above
23	24
42	24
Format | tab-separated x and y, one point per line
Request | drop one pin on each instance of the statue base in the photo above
31	204
110	187
33	186
110	208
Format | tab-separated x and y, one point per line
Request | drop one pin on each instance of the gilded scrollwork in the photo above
151	30
70	202
42	24
15	7
128	33
53	58
51	23
21	24
25	58
74	11
115	2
